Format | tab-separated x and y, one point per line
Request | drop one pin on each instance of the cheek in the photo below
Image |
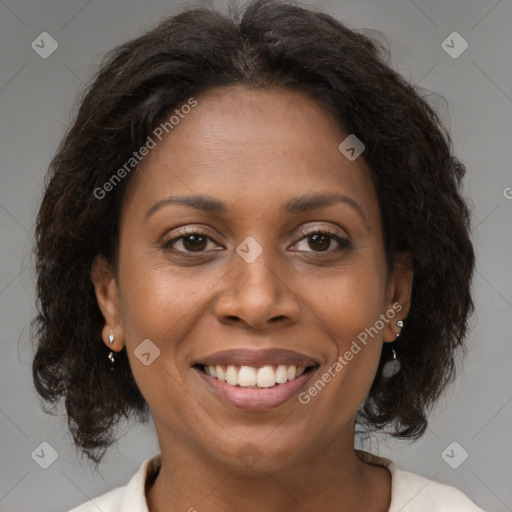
158	303
351	299
158	299
349	307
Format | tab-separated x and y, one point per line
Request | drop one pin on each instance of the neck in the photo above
331	478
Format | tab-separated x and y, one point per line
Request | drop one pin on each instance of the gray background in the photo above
36	98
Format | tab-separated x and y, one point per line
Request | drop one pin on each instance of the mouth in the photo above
256	380
254	377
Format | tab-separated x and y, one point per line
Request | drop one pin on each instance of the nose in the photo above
257	295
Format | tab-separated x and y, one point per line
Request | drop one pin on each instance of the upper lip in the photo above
245	357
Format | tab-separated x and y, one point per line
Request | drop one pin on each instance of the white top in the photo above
409	492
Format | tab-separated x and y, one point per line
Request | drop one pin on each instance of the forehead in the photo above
253	148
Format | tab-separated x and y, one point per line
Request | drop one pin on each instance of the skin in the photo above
254	150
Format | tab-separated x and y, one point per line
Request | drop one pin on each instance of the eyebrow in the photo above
203	203
316	201
293	206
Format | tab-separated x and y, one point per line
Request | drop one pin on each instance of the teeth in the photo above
221	375
266	377
249	376
232	376
281	374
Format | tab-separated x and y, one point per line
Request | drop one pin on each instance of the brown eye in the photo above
188	242
194	243
319	242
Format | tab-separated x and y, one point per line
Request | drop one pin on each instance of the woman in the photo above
254	231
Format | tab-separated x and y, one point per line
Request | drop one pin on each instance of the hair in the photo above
268	44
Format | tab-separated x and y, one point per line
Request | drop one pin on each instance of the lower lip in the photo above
252	399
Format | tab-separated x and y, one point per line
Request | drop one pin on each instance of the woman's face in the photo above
251	282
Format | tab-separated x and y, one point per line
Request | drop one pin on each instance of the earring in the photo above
111	356
392	367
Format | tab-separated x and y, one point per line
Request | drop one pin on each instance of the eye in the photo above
321	240
189	241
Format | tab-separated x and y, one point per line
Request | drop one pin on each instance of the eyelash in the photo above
343	243
184	232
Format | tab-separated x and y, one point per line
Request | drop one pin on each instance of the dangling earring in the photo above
111	356
392	367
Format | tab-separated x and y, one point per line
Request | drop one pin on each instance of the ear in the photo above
398	294
105	287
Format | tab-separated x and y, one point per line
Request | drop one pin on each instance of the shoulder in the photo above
411	492
129	498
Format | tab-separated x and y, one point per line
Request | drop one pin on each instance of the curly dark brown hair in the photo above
270	43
